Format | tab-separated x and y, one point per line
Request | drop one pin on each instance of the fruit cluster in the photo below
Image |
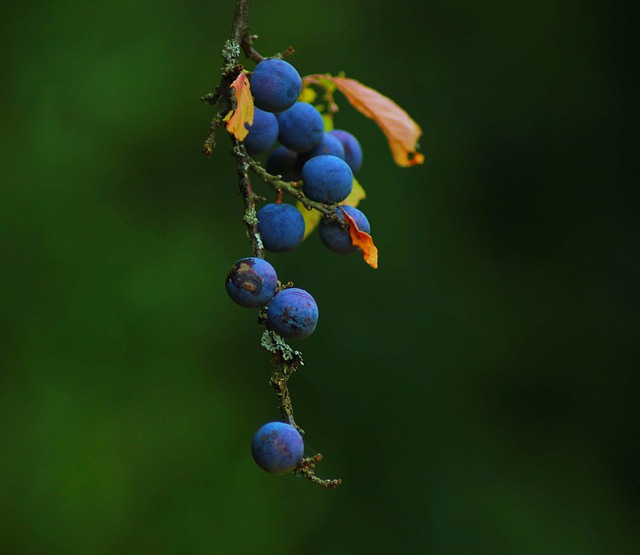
325	162
269	112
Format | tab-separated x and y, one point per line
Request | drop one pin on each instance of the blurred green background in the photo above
478	393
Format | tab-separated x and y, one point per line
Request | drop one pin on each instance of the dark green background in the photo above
478	393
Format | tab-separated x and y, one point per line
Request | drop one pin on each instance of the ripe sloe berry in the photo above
251	282
301	127
327	179
284	162
352	148
275	85
262	134
293	313
329	145
281	227
277	448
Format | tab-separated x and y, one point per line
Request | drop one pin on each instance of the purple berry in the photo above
262	134
275	85
329	145
293	313
301	127
338	239
281	227
327	179
277	448
284	162
251	282
352	148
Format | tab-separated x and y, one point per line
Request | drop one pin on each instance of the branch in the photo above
279	185
307	469
240	34
284	361
250	217
240	31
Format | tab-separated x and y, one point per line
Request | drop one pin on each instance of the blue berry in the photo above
352	148
293	313
284	162
338	239
277	448
301	127
262	134
327	179
281	227
251	282
275	85
329	145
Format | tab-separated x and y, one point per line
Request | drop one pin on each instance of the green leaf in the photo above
328	121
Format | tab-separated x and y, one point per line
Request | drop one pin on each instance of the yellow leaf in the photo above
356	195
328	122
401	130
307	95
362	240
311	219
243	113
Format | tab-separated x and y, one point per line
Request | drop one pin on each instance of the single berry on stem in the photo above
281	227
327	179
275	85
251	282
277	448
262	134
301	127
293	313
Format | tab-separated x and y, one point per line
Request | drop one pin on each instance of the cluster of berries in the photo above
326	163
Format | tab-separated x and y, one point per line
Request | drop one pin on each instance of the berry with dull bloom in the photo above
277	448
293	313
275	85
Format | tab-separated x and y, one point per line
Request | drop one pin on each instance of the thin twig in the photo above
250	217
307	468
240	31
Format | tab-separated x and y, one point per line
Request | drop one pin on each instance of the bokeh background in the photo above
478	394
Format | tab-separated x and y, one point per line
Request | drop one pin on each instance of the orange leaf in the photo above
401	131
362	240
243	113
